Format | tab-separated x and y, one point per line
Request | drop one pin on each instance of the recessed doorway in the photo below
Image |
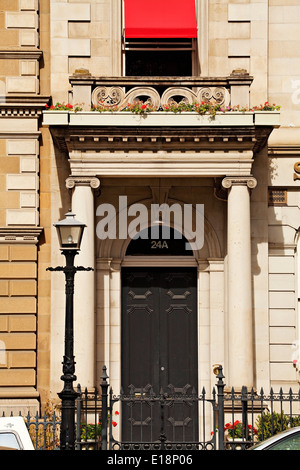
159	344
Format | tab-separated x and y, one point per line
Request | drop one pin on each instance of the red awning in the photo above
160	19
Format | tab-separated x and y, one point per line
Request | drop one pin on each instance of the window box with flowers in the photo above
143	114
59	113
236	435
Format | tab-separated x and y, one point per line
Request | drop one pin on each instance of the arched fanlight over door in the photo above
159	241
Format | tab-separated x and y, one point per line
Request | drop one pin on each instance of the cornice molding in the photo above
283	150
19	54
98	139
21	106
26	235
21	100
19	135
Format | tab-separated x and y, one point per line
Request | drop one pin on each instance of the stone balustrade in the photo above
158	92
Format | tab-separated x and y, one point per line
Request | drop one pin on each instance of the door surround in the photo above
111	257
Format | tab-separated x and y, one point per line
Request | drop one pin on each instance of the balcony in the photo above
160	93
104	139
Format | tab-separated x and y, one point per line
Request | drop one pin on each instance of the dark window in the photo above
159	57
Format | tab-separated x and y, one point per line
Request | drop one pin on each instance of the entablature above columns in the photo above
160	138
210	164
158	151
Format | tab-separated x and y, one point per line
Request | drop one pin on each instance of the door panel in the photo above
159	348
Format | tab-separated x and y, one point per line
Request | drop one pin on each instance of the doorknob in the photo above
162	368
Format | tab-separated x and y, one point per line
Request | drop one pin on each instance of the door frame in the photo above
159	261
210	311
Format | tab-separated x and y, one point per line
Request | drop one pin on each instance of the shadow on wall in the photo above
64	195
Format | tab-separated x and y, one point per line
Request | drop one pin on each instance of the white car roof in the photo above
17	425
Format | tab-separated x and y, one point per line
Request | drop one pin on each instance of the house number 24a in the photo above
159	244
297	171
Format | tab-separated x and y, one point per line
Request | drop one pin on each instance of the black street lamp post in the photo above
70	233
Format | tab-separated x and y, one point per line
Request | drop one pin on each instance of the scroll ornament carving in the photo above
173	96
215	95
116	97
107	96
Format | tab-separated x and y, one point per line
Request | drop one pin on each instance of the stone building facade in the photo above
243	167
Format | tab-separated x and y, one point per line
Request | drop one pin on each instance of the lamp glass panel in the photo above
70	236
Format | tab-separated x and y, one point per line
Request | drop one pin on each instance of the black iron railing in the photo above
226	420
222	420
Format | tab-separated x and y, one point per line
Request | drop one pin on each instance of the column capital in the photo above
91	181
230	181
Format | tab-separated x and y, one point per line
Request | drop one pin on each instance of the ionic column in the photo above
84	290
240	318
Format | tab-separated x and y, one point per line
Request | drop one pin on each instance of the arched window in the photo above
159	240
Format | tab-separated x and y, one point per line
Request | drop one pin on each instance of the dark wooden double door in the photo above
159	352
